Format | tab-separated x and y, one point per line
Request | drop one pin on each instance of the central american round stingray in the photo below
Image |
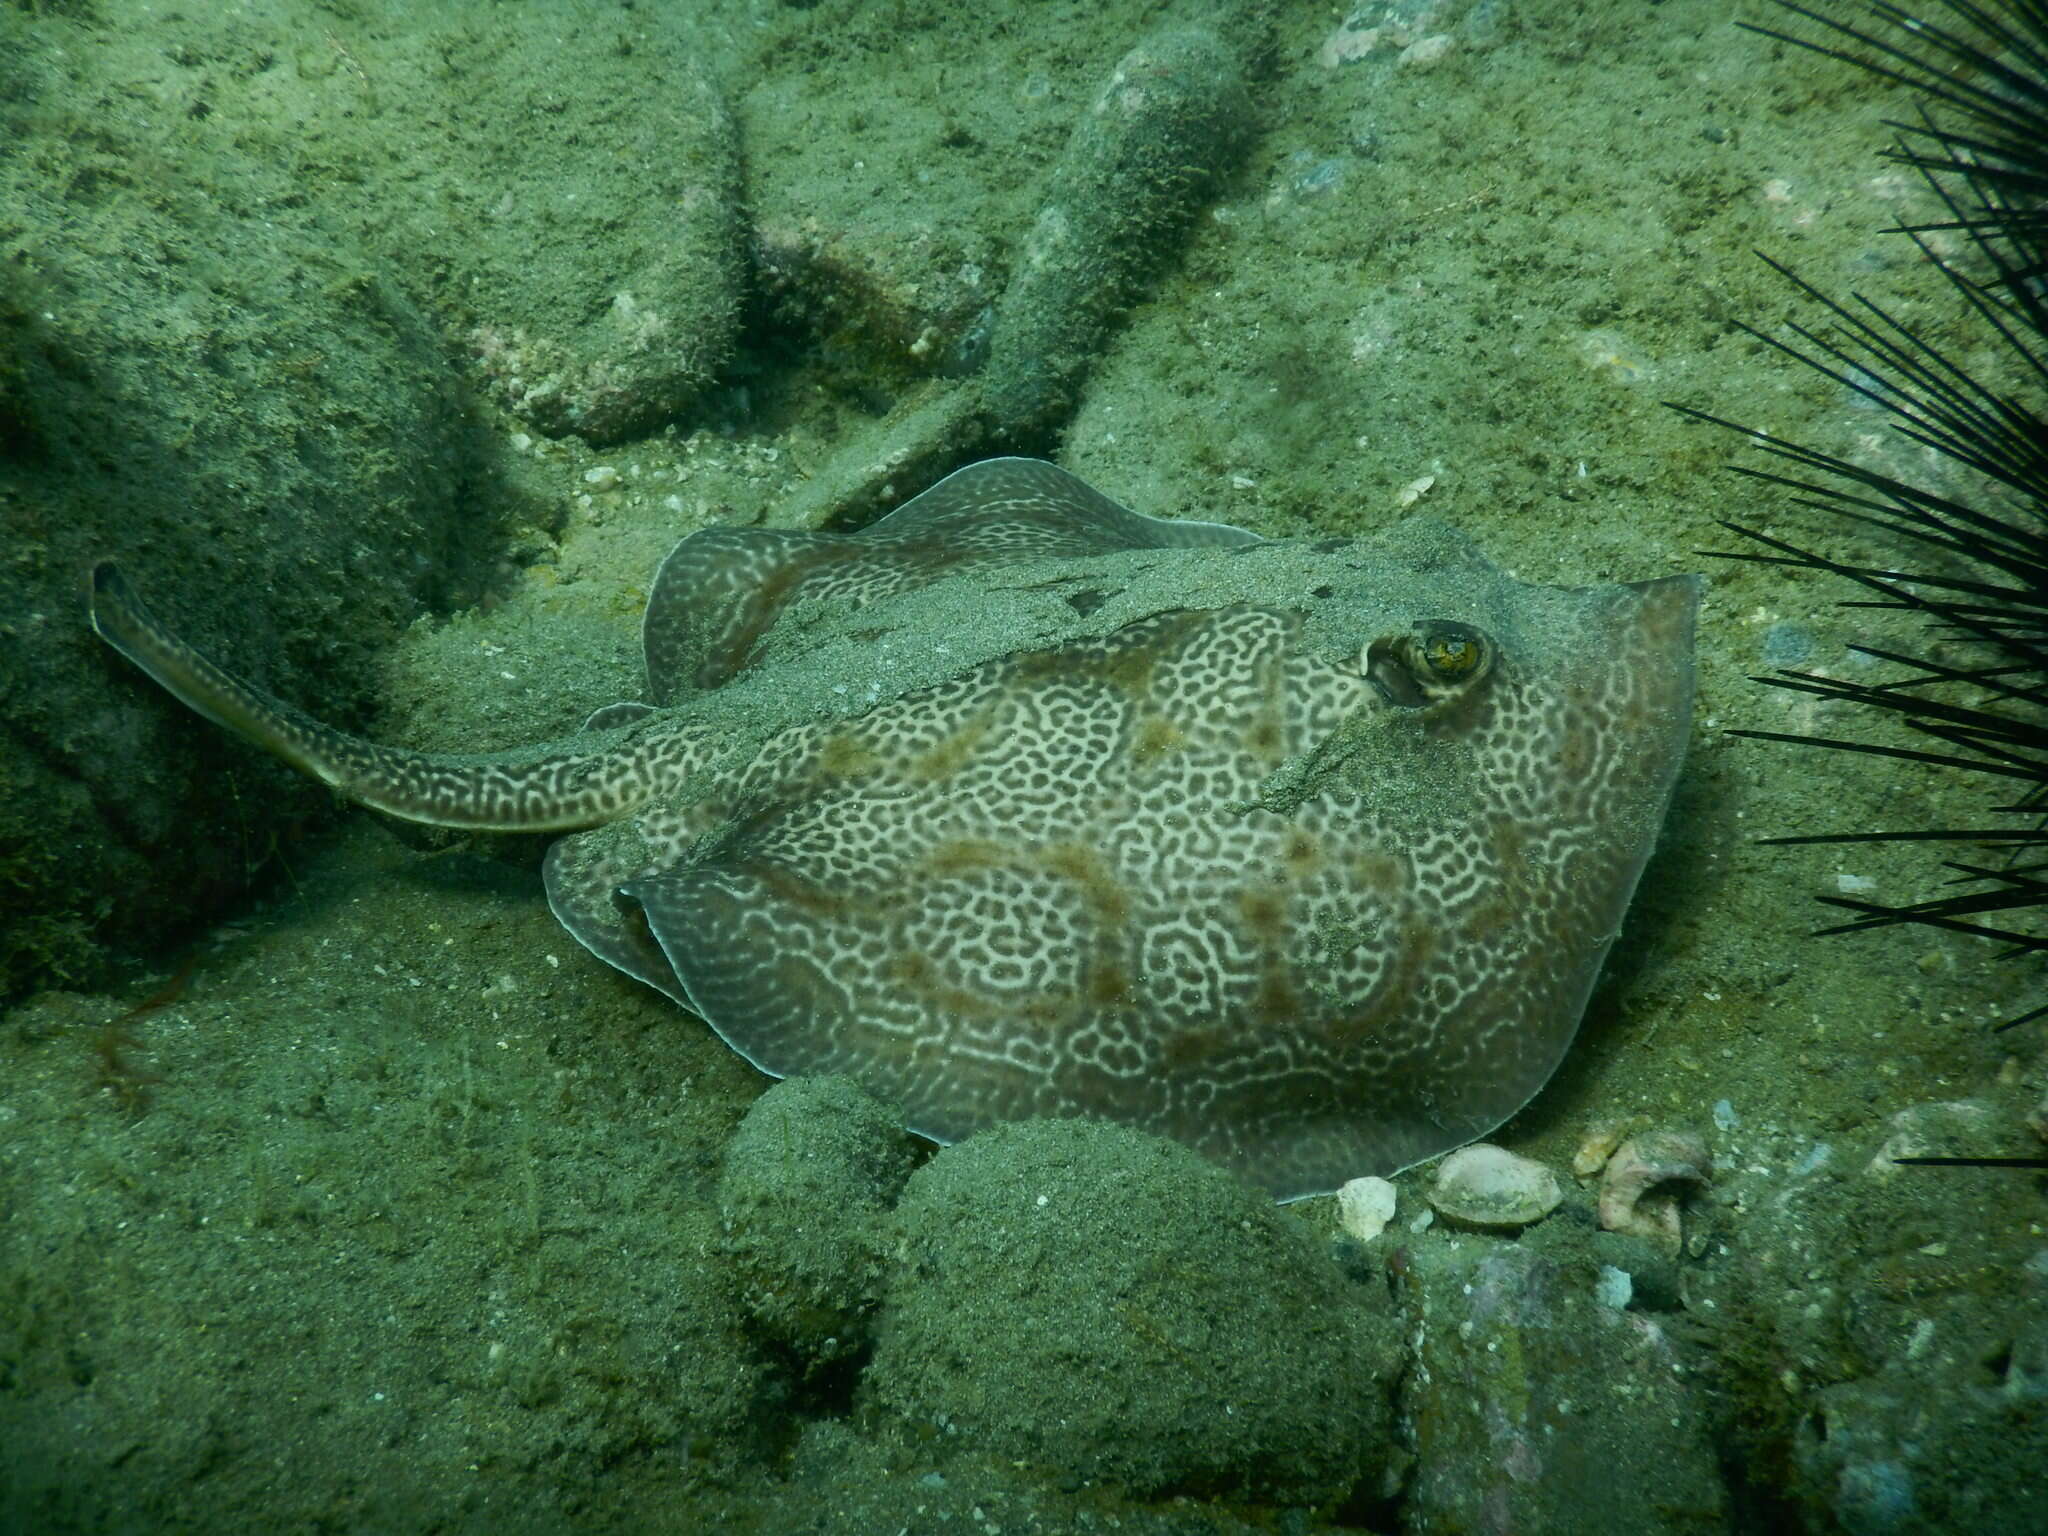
1016	802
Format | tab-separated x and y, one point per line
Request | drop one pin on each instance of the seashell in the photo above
1488	1186
1647	1181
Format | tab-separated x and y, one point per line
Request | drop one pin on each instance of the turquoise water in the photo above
403	1212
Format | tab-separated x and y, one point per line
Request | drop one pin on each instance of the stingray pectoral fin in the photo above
583	874
541	789
806	979
613	716
759	985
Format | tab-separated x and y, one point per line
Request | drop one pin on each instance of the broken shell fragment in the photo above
1598	1145
1488	1186
1364	1207
1647	1183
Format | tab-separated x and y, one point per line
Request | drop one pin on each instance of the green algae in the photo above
466	1281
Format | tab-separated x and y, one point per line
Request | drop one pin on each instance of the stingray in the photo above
1305	853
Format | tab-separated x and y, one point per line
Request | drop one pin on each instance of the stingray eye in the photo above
1437	659
1452	653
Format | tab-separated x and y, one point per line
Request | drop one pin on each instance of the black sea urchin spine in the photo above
1982	143
1985	75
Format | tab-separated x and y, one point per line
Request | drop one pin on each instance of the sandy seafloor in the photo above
408	1224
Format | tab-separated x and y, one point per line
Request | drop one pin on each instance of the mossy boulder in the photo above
804	1200
1112	1307
202	379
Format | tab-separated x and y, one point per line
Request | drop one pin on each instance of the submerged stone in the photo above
809	1178
1102	1302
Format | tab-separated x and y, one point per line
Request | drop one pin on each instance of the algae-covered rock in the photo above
1536	1405
1154	142
581	227
202	377
809	1178
1925	1447
1164	128
1910	1342
246	251
1088	1298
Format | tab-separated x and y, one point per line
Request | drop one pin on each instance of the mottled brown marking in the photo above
1190	1050
1156	735
1413	946
1265	914
962	856
1266	739
1493	914
1108	986
1575	752
1129	669
847	755
953	999
1509	840
1381	874
756	616
951	754
910	968
921	977
1047	1015
1299	854
1108	902
1276	1003
785	885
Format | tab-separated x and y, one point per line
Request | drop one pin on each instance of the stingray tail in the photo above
548	788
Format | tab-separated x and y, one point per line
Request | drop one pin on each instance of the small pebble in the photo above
1425	52
1609	353
1414	491
1320	177
1815	1159
1787	645
1364	1207
1614	1288
1347	45
1598	1144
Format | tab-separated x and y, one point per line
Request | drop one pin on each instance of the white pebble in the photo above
1614	1288
1364	1207
1425	51
1414	491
